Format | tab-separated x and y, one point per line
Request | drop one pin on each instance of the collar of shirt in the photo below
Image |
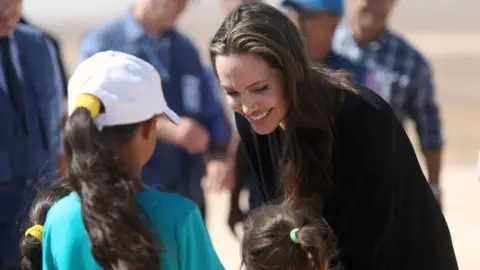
134	30
157	49
16	62
373	46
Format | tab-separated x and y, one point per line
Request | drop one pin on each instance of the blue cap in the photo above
334	6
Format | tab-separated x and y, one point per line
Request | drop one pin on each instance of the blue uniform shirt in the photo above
182	234
187	90
27	155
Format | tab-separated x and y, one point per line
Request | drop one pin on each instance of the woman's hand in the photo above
219	176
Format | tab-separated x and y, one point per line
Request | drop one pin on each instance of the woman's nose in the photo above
249	105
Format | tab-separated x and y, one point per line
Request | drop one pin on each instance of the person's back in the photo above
112	220
175	221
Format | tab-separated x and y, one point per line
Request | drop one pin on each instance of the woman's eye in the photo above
232	94
261	89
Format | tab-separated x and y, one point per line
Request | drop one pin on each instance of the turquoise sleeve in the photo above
57	252
196	249
48	262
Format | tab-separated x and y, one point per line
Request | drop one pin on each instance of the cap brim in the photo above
172	116
302	6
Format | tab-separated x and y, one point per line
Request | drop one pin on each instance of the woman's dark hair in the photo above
313	93
267	244
31	247
119	238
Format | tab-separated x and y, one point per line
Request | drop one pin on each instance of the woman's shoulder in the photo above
365	109
365	99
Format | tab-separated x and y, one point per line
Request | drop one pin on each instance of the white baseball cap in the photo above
129	88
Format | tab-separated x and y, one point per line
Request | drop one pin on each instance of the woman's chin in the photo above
264	129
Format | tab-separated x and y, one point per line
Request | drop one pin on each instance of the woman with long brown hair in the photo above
311	133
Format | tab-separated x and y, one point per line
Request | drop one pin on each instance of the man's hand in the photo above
192	136
433	159
219	176
189	134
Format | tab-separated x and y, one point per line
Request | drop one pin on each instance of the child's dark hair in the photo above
119	238
31	247
268	244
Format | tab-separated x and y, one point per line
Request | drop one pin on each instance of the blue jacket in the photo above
27	155
187	90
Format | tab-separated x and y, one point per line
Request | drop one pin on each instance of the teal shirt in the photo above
182	234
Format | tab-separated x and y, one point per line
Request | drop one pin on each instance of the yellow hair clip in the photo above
36	232
89	102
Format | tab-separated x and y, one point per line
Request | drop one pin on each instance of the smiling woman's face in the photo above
253	89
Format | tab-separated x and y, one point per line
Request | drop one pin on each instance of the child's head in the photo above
286	236
31	245
114	100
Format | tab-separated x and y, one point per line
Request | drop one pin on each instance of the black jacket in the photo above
382	211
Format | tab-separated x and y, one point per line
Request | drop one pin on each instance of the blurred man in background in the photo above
30	110
318	20
397	72
148	31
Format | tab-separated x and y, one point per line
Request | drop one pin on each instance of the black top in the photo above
382	211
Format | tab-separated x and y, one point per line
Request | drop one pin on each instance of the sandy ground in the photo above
448	33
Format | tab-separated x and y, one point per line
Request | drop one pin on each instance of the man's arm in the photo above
424	112
89	45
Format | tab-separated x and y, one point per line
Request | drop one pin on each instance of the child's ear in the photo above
325	265
148	128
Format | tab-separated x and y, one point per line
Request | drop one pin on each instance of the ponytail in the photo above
316	241
31	245
119	239
286	236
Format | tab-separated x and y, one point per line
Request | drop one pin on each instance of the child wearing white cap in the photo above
111	220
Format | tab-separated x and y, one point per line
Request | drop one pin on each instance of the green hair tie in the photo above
293	235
